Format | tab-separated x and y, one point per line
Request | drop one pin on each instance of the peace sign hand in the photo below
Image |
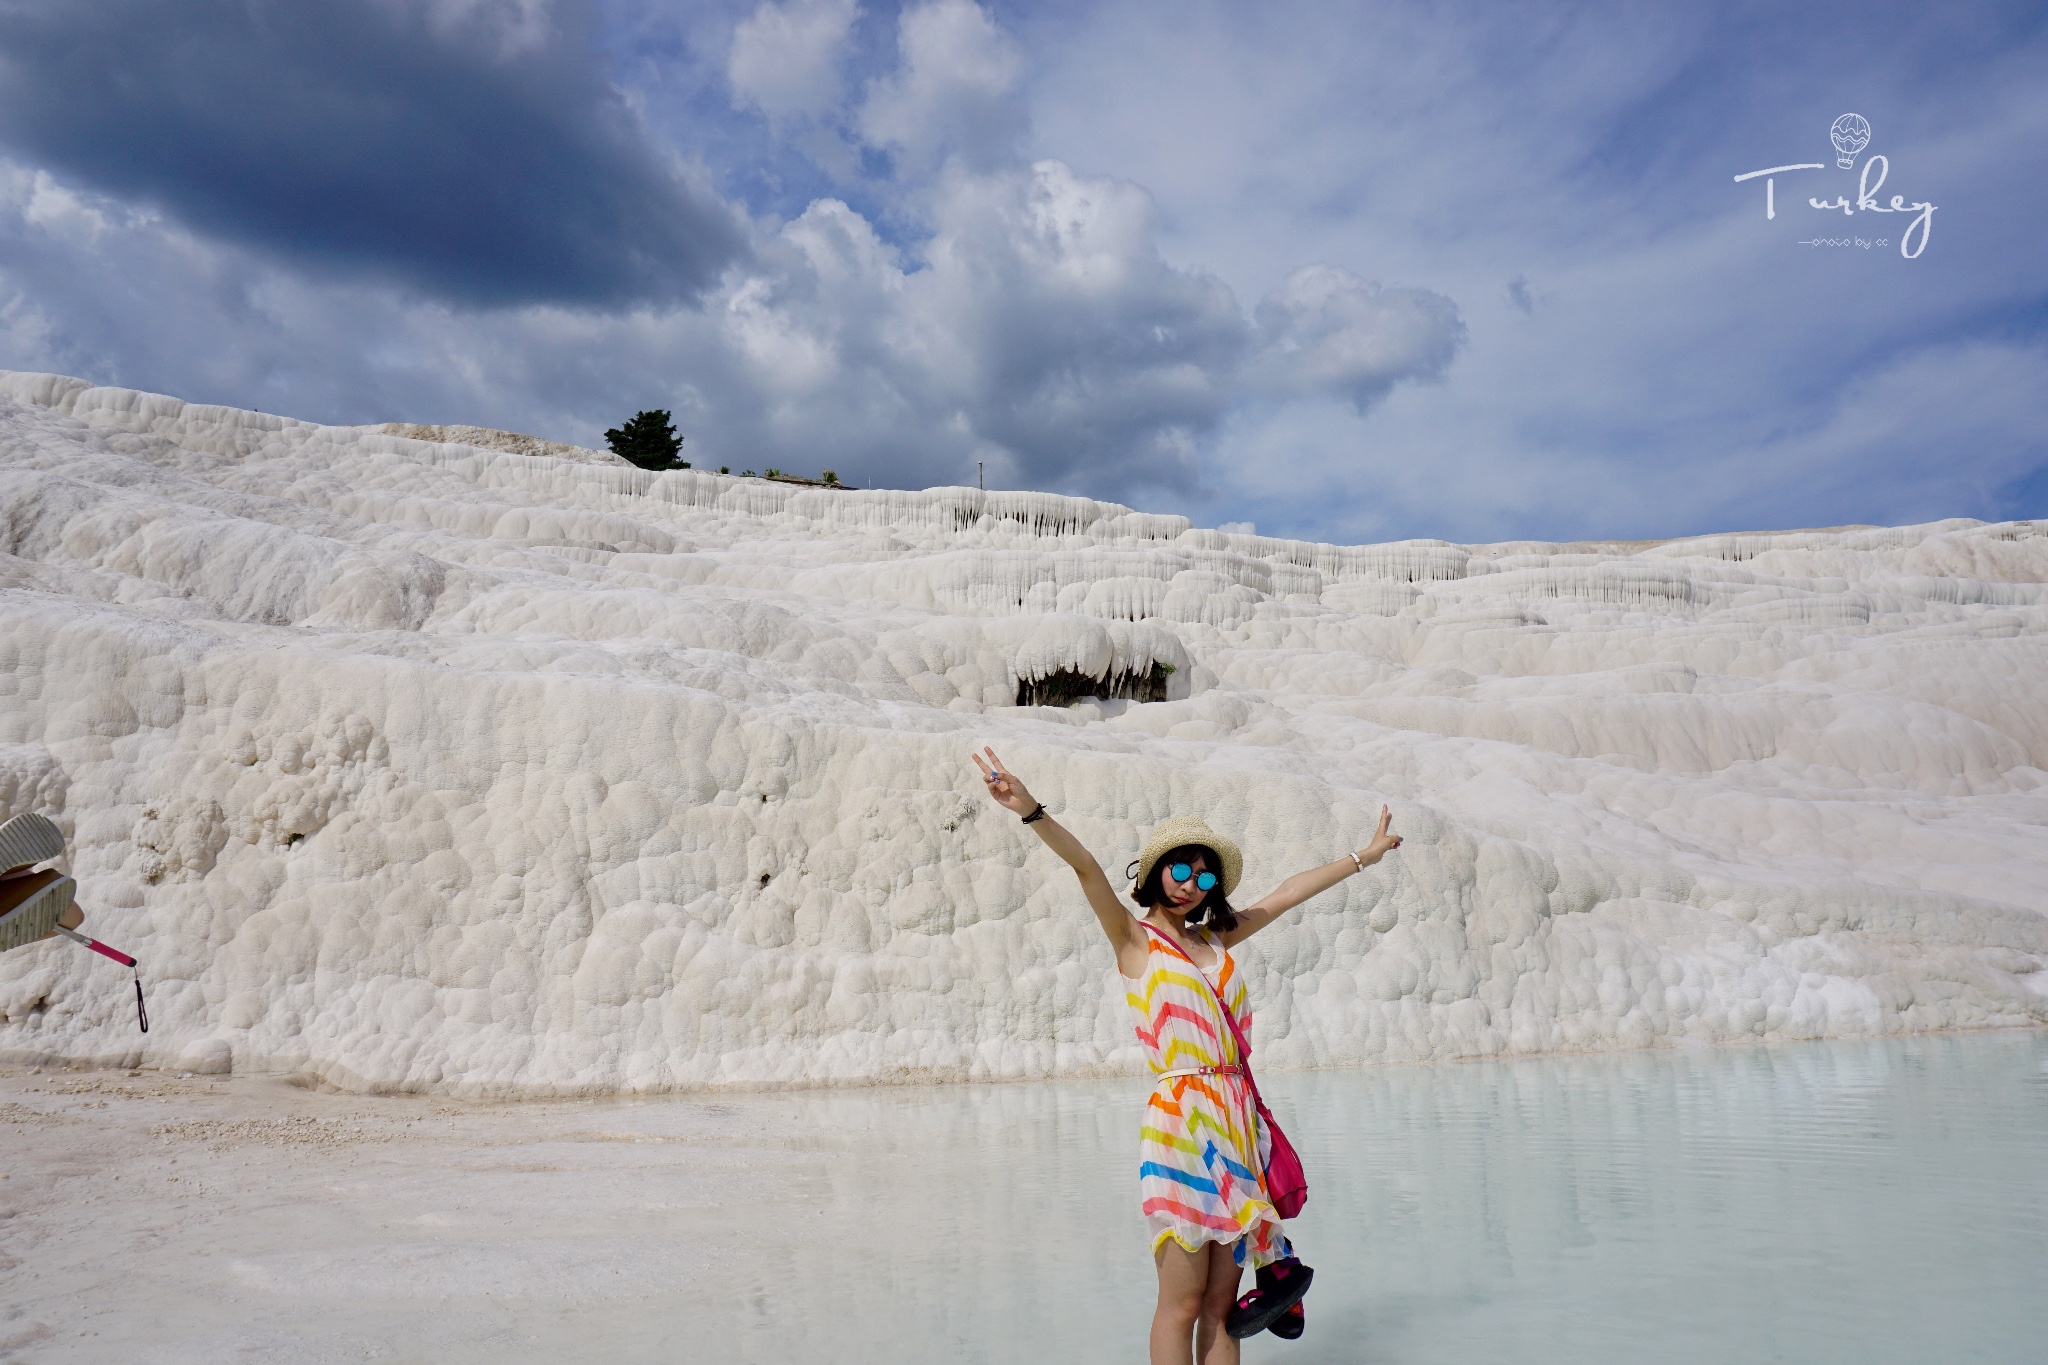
1383	841
1006	787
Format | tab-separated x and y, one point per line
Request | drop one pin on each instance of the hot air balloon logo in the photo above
1850	134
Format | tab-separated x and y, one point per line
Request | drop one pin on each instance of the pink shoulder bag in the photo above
1286	1182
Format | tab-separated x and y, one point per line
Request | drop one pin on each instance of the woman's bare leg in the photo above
1213	1345
1182	1276
1196	1290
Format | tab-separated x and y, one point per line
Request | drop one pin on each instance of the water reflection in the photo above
1880	1201
1848	1201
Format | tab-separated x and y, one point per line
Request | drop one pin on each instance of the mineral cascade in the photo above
412	764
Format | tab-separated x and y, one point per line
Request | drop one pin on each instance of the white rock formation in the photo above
489	438
420	765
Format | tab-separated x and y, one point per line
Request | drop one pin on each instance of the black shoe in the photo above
1291	1324
1261	1308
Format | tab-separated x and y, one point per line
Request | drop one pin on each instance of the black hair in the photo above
1213	912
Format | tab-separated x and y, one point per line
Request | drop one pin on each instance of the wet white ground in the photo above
1840	1201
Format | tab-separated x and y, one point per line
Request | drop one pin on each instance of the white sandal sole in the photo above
37	916
28	839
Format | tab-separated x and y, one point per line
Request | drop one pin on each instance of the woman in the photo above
1201	1172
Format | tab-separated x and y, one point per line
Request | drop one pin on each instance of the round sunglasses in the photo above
1181	871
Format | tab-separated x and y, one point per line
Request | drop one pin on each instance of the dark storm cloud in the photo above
473	152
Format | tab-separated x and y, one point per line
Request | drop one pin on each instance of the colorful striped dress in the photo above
1201	1156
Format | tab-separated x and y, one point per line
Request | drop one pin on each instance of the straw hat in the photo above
1169	835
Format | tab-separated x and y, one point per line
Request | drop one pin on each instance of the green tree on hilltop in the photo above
648	440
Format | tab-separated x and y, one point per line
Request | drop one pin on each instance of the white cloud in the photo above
785	58
441	146
955	92
1026	317
1038	328
513	27
25	330
1050	267
47	204
1329	333
1669	365
1040	331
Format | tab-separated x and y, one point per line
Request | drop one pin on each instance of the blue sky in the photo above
1352	272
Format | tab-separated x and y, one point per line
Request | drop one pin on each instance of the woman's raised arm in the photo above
1118	923
1316	880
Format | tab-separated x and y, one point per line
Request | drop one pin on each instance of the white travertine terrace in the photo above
420	765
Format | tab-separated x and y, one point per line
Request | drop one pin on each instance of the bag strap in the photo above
1244	1047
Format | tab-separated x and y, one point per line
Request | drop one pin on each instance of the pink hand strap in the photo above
141	1010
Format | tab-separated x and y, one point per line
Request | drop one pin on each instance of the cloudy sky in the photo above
1346	271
